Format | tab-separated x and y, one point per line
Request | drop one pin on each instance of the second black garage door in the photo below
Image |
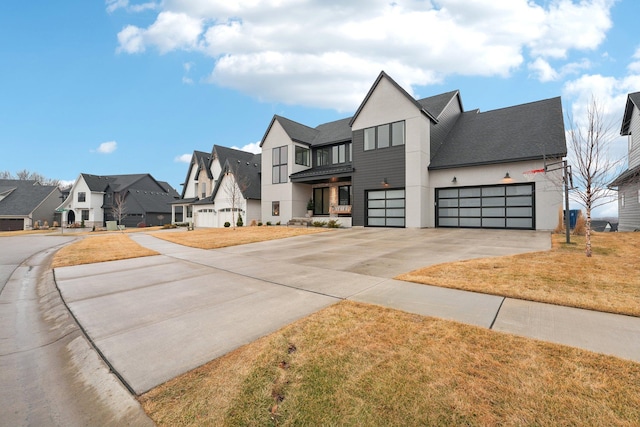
496	206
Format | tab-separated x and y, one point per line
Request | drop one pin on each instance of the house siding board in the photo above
629	214
634	139
371	168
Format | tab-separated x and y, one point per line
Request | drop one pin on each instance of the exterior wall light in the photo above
385	182
454	180
507	176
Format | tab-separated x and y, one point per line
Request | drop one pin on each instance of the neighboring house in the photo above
603	226
141	199
628	183
25	203
220	186
402	162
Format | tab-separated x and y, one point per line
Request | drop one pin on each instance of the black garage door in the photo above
11	224
497	206
385	208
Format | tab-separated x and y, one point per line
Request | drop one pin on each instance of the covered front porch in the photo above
331	193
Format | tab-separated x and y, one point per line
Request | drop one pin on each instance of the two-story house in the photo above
130	200
25	204
628	183
219	186
402	162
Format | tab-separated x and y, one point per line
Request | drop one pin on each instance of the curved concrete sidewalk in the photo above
157	317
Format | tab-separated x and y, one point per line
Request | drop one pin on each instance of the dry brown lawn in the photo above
362	365
608	281
99	248
213	238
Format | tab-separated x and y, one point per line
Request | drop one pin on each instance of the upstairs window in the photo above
303	156
203	188
82	196
279	172
341	153
384	136
323	156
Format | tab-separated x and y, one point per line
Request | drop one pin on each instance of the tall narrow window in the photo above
321	200
275	208
344	195
370	139
203	188
383	136
279	161
302	156
397	133
322	156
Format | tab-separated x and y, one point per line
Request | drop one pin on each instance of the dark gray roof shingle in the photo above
436	104
22	197
522	132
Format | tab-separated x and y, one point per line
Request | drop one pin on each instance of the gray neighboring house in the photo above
406	162
628	183
23	203
92	198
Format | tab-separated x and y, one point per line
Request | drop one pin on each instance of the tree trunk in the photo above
588	233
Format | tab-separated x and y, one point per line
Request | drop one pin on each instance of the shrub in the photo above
253	223
268	222
580	229
227	224
333	223
560	227
310	205
82	224
239	222
278	223
168	226
319	223
259	223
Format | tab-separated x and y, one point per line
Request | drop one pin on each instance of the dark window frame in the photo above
82	196
279	161
394	136
302	156
275	208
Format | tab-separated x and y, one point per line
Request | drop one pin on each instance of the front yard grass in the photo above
354	364
214	238
99	248
609	281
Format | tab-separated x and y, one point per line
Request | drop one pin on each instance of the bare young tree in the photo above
119	207
594	167
234	186
25	175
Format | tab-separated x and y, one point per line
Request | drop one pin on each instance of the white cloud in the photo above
183	158
253	147
107	147
274	49
113	5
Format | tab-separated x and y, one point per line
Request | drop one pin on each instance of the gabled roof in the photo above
99	183
384	75
198	159
153	201
522	132
333	132
633	100
436	104
630	175
22	197
247	165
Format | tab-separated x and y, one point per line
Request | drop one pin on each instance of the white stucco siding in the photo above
190	185
548	187
385	105
282	192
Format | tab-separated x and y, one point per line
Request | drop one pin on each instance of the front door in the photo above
321	200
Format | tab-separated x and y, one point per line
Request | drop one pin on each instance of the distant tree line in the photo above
25	175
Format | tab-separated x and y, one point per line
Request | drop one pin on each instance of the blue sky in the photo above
127	86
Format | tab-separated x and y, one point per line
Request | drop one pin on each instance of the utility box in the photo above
112	225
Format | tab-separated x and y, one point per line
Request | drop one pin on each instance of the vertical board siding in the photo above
371	167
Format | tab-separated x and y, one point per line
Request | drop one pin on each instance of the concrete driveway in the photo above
157	317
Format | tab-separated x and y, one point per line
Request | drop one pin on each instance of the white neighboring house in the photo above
219	186
406	162
92	198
